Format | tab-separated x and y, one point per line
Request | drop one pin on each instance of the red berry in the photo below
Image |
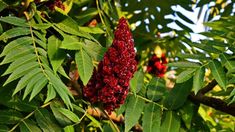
109	85
157	65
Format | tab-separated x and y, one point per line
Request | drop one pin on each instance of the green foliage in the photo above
152	118
48	56
177	96
133	112
171	122
137	82
85	66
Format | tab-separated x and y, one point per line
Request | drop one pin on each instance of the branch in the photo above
215	103
208	87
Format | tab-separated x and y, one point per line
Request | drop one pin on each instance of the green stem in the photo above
84	115
35	47
112	123
101	18
150	101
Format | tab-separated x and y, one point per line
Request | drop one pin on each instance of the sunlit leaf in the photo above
218	73
137	82
29	126
133	112
14	21
156	89
14	32
151	118
198	79
55	54
85	66
184	64
45	121
185	75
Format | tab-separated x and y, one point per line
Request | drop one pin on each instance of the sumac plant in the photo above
94	65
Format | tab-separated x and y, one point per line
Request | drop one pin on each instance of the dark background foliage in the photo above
49	49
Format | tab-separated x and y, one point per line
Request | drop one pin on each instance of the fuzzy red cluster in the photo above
56	3
157	65
109	84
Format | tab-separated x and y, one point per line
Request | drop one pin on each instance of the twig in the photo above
149	101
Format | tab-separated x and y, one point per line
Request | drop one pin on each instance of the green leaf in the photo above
41	43
51	94
187	112
3	128
137	81
70	26
71	43
1	29
61	118
151	118
38	87
42	26
21	71
40	36
178	95
55	54
86	15
203	113
14	21
78	108
97	123
14	54
193	56
69	129
205	47
10	116
3	5
198	79
45	121
16	102
229	64
185	18
185	75
33	81
133	112
218	73
19	62
14	32
94	30
60	88
171	122
29	126
69	114
62	72
24	80
184	64
95	50
15	44
156	89
85	66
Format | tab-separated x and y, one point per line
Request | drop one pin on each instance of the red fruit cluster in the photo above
109	84
56	3
157	65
